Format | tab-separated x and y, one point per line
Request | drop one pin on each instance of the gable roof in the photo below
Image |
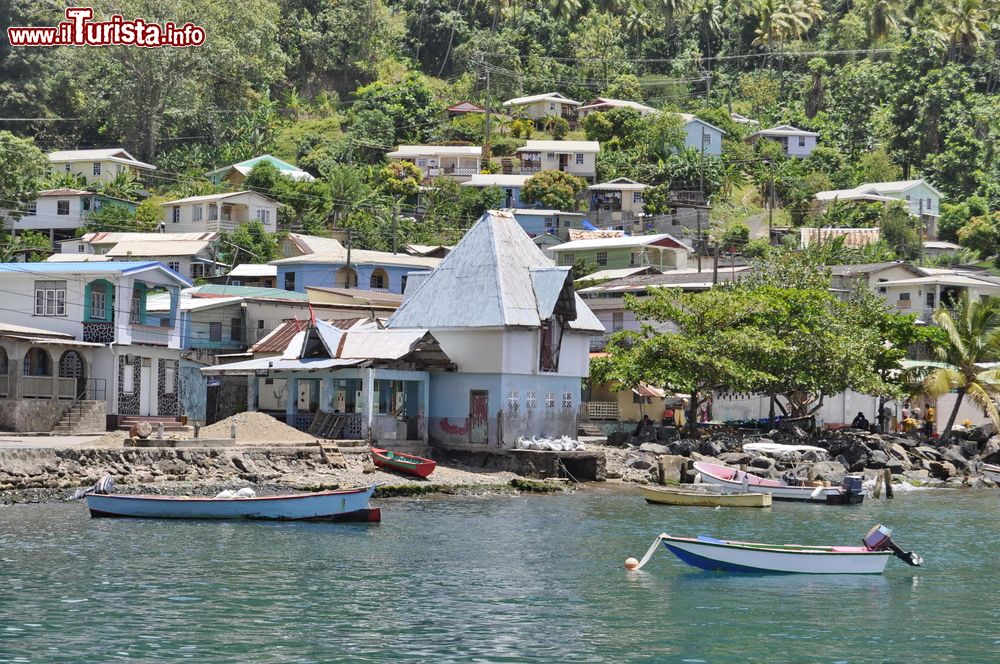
254	270
855	269
548	96
622	241
560	146
96	267
247	165
875	190
64	192
619	184
783	130
404	151
495	180
119	155
495	277
690	117
466	107
110	237
164	247
225	290
218	197
600	102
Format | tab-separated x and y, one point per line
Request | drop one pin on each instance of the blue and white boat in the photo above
713	554
337	505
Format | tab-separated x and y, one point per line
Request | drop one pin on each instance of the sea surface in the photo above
495	579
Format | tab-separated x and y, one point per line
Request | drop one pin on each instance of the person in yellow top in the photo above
929	421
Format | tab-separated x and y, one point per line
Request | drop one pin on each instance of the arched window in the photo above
37	362
3	361
347	278
379	280
71	366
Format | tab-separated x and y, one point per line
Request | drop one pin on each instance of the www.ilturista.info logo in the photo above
79	30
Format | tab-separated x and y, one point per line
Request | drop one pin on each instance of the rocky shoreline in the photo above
916	460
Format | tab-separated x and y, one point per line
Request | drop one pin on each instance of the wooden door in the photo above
479	426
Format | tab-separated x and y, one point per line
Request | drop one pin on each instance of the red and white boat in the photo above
734	480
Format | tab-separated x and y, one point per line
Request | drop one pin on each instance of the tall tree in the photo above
23	169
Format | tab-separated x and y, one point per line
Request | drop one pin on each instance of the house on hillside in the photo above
923	295
794	141
88	335
362	384
219	212
337	267
260	275
921	198
845	280
662	251
539	107
515	330
617	202
236	173
537	221
463	108
193	255
854	238
509	184
604	104
702	136
574	157
60	213
98	166
455	161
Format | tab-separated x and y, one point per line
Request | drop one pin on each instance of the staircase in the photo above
588	429
82	417
171	425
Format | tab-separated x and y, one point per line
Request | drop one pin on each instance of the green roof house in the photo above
236	173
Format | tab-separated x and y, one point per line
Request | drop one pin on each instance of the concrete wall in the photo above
194	393
31	414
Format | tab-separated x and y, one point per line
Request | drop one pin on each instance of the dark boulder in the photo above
619	438
878	459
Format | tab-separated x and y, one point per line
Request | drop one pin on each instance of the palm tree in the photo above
638	21
881	18
564	9
965	24
124	185
709	14
973	337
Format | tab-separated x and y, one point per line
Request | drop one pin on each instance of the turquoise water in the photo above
527	578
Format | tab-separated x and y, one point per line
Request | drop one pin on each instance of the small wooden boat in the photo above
404	463
713	554
735	480
337	505
702	498
991	471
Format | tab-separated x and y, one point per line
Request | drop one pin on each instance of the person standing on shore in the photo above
929	421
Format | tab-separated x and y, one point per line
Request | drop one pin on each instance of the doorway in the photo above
479	425
146	389
563	162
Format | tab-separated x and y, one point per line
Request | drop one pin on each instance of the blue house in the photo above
699	135
553	222
337	267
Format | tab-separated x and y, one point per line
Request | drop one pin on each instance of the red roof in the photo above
278	340
466	107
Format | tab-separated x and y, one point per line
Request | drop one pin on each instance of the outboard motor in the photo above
879	538
852	484
104	486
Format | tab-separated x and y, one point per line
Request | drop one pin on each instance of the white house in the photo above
603	104
190	254
510	185
922	295
457	161
516	331
795	142
60	212
662	251
236	173
574	157
219	212
113	350
617	202
101	165
539	107
702	136
919	195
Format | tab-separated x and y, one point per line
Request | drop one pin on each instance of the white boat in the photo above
337	505
777	449
752	557
991	471
734	480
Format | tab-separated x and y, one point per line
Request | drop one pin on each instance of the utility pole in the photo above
487	145
350	237
395	219
715	266
701	188
697	240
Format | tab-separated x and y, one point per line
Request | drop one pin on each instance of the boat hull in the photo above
719	555
660	496
339	505
404	463
991	471
834	495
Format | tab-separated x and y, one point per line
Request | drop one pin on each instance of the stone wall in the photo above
31	414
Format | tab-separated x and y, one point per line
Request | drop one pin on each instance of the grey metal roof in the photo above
868	268
486	281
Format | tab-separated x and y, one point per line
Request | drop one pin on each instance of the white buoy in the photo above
631	564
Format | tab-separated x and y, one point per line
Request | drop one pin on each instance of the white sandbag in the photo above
246	492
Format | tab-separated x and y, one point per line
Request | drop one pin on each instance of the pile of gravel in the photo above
255	427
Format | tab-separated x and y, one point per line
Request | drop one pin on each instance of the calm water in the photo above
494	579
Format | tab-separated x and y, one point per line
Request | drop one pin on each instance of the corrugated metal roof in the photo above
254	270
162	247
338	256
548	284
618	103
10	328
77	258
547	96
218	197
223	290
617	242
495	180
279	364
109	267
422	150
620	273
560	146
64	192
100	154
485	282
279	338
114	237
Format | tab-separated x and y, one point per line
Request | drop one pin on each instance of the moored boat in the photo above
736	480
991	471
337	505
703	498
713	554
404	463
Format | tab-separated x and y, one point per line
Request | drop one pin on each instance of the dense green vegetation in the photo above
895	88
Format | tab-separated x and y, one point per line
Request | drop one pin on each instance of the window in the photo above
422	162
567	258
197	270
602	258
552	106
66	167
175	215
637	197
98	302
706	139
135	308
617	321
215	331
85	203
264	216
567	400
377	280
930	206
197	212
904	301
80	248
31	208
169	379
213	212
128	379
50	298
289	281
174	265
930	300
633	259
165	321
236	329
260	324
227	212
62	207
97	168
550	155
579	159
802	141
530	399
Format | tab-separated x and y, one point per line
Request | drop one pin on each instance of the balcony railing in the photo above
46	387
531	166
151	335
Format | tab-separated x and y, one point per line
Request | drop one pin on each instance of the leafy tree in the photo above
304	204
956	215
118	218
598	127
554	189
123	185
26	246
973	337
400	178
981	234
583	267
23	168
248	243
409	105
899	232
559	127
